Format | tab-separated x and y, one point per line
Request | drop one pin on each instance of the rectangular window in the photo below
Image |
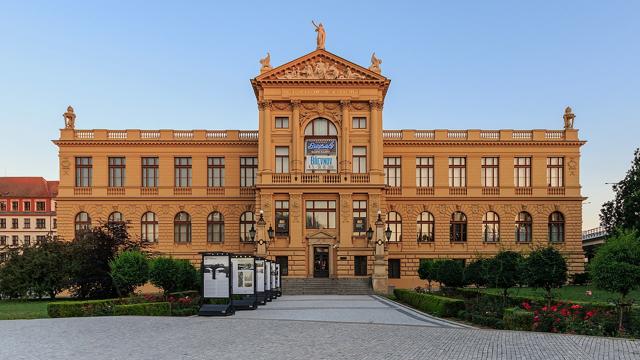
84	171
14	223
392	171
360	265
40	223
116	171
3	241
27	240
321	214
150	172
26	224
489	171
394	268
282	217
15	206
424	172
248	171
359	217
555	171
26	206
14	240
282	122
283	261
215	172
3	206
457	172
359	159
359	122
282	160
522	171
41	206
40	238
3	223
182	166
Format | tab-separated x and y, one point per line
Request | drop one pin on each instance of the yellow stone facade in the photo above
321	85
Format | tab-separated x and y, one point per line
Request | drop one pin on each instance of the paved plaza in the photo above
295	327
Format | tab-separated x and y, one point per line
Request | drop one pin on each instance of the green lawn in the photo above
569	293
17	309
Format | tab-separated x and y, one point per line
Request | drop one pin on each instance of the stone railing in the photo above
160	135
458	191
480	135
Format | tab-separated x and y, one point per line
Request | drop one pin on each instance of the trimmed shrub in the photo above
173	275
146	309
517	319
129	270
187	276
432	304
81	308
451	273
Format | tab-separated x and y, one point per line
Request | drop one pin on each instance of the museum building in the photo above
321	188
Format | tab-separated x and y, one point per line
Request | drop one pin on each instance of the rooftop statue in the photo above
321	35
375	64
69	118
266	63
568	117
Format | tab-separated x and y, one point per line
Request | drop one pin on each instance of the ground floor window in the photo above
394	268
360	265
283	261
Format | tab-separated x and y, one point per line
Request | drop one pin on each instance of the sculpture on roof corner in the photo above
69	118
266	63
321	35
375	64
568	117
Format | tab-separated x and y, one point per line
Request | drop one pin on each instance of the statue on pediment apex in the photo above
321	35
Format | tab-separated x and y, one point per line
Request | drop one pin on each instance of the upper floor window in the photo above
359	122
522	171
82	222
458	227
426	227
491	227
282	217
26	206
457	172
359	159
424	172
282	160
3	223
150	169
3	206
394	222
149	227
556	227
182	167
282	122
84	171
392	171
489	172
359	217
555	171
247	222
15	206
215	227
321	214
182	228
248	171
320	127
524	227
117	171
215	172
14	223
26	224
41	206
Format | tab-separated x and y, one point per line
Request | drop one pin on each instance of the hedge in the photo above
147	309
82	308
432	304
517	319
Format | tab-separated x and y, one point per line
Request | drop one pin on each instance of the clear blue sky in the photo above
453	64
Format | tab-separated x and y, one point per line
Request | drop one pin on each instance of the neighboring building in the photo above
591	240
320	167
27	211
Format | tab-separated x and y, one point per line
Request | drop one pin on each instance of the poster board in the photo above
216	275
321	154
277	276
273	275
267	275
243	282
260	267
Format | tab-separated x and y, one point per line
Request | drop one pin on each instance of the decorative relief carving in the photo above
65	165
376	104
443	209
295	200
475	210
295	104
359	106
264	104
321	68
282	106
573	166
321	109
345	208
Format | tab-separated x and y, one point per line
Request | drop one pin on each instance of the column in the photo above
296	156
261	134
268	145
376	137
346	127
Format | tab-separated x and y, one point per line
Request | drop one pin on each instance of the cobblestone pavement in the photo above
260	333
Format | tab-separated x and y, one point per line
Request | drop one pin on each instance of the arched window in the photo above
149	227
425	228
215	227
458	227
182	228
556	227
491	227
247	221
524	227
320	127
82	223
115	218
394	222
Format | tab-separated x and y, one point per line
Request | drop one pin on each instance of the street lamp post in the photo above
380	274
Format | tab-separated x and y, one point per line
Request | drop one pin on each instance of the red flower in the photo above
576	307
589	314
544	308
564	312
554	308
526	306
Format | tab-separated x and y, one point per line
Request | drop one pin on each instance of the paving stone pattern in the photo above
298	332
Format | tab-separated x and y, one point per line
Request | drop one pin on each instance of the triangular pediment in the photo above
321	235
320	65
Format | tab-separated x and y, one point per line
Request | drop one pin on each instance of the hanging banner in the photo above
243	269
321	154
267	275
260	275
215	273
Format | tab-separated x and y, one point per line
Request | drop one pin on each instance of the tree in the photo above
426	271
476	273
623	212
616	268
164	273
545	268
188	278
129	270
451	273
503	271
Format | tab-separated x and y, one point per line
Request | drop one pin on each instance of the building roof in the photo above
31	187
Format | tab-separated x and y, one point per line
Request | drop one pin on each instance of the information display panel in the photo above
260	267
216	273
244	278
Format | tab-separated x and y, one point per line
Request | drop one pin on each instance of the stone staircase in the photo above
326	286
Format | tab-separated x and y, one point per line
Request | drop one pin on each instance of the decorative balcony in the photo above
555	191
247	191
281	178
429	191
458	191
215	191
182	191
523	191
115	191
82	191
148	191
360	178
491	191
393	191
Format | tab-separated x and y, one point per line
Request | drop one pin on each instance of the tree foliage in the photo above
476	273
503	270
129	270
173	275
545	268
426	271
450	273
623	212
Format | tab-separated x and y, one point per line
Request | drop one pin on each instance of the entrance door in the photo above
321	262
